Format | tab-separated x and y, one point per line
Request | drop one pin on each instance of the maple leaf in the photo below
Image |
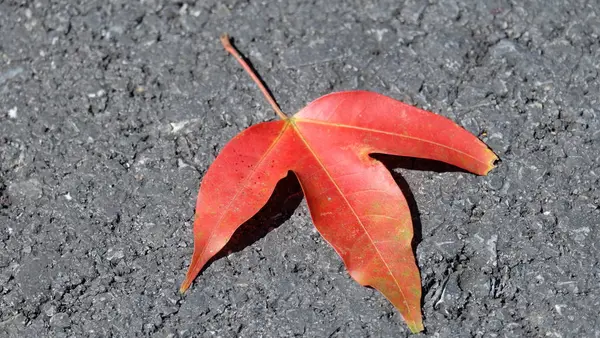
353	199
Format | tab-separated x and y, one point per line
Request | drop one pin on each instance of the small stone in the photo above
34	279
114	254
495	182
503	48
500	88
4	260
26	190
61	320
49	310
12	113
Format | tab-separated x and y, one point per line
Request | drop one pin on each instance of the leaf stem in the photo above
229	48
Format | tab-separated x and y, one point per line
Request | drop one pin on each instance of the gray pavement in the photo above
111	111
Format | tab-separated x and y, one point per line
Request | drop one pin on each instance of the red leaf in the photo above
353	199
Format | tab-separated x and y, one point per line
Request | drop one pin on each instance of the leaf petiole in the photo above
229	48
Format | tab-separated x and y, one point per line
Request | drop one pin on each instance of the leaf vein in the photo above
300	119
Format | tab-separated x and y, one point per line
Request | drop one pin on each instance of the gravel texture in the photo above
111	111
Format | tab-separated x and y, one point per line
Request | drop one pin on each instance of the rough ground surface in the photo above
111	111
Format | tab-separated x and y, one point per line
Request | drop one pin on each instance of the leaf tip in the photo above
493	160
415	326
184	286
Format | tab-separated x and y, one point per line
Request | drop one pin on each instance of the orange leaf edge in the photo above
492	161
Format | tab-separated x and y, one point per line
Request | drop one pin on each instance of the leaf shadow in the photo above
401	162
279	208
288	195
394	162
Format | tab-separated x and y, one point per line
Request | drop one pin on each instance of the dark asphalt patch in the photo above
110	112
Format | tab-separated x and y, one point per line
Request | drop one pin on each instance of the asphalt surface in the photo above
111	111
